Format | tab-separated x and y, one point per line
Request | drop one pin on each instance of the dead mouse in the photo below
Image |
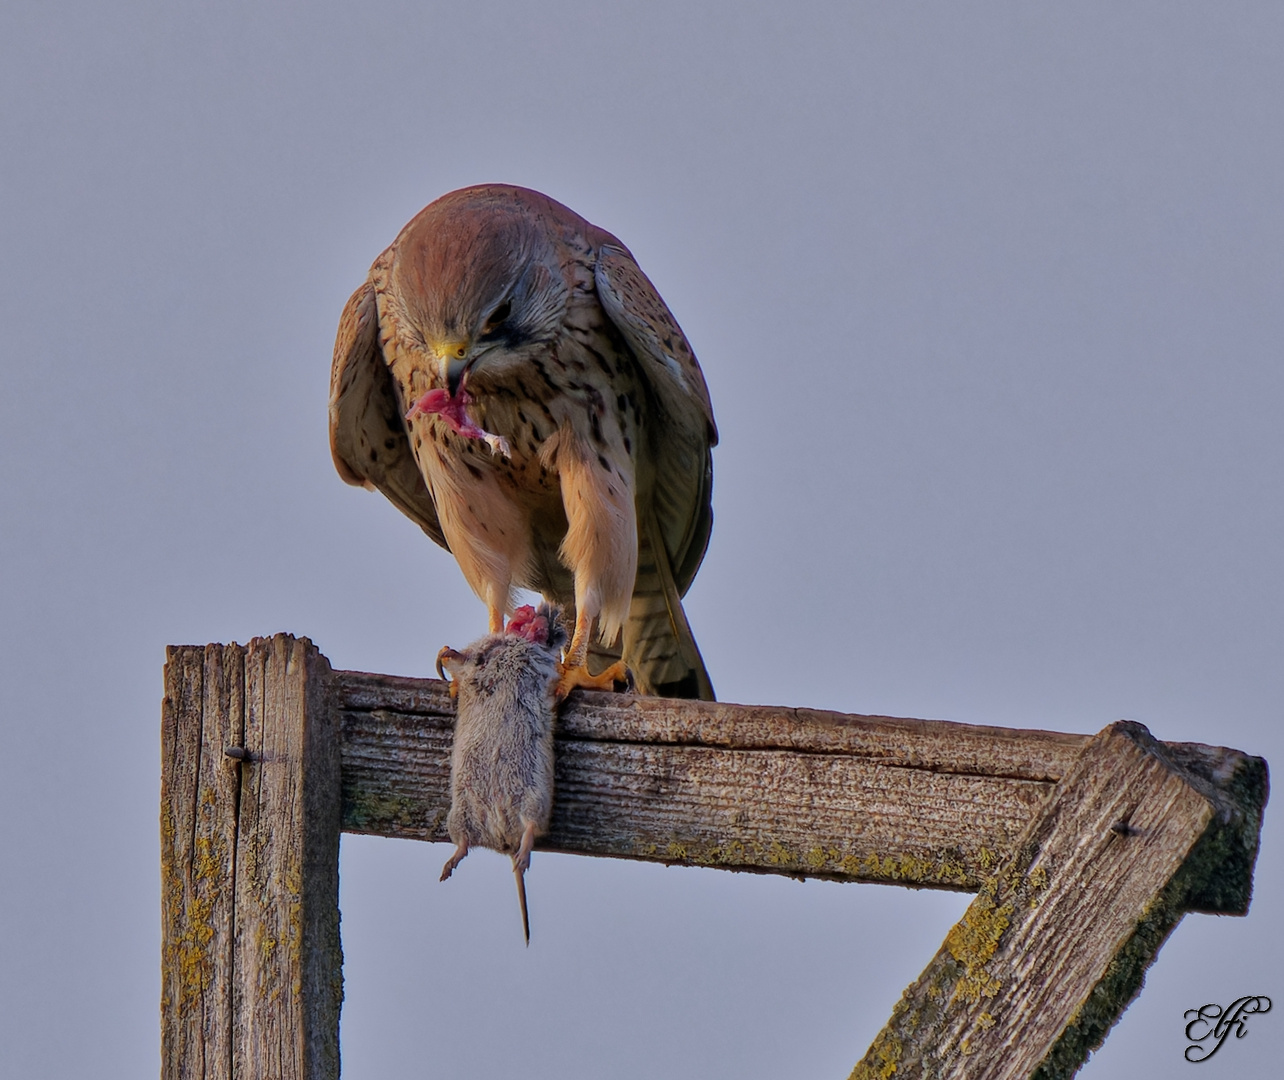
501	766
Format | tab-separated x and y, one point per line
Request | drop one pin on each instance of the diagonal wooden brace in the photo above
1057	941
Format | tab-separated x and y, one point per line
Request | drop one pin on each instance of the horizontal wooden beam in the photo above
924	803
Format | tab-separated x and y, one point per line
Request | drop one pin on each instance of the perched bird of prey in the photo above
513	382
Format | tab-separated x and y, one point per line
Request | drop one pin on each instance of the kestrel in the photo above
513	382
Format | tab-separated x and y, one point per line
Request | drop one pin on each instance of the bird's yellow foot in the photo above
445	658
578	675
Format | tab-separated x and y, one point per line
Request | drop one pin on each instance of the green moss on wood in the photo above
369	812
951	867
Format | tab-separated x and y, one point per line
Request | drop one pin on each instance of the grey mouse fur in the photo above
501	765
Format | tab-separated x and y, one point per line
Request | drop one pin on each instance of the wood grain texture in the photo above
251	967
767	789
935	745
202	712
1056	943
790	791
288	960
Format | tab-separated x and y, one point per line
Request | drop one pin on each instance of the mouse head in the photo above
540	626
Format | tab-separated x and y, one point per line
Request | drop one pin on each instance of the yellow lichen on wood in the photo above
883	1060
172	905
1038	886
194	967
960	974
206	875
887	1051
779	855
974	939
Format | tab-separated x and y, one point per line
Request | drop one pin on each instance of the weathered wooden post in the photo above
251	969
1084	852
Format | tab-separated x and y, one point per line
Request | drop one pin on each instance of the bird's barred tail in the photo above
658	645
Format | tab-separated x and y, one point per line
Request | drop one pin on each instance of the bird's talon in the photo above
578	676
445	657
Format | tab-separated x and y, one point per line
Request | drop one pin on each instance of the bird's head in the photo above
480	282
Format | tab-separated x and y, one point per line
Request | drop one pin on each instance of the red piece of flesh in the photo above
526	623
454	411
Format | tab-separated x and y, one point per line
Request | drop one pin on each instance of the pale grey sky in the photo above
989	300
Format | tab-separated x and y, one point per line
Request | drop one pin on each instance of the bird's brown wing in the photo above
367	435
674	528
683	465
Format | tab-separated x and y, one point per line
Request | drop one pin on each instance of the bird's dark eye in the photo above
497	317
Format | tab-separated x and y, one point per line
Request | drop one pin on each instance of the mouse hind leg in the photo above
522	860
454	860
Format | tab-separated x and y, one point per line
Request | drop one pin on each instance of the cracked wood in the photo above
251	967
793	791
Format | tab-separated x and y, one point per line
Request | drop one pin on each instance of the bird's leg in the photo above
574	667
454	860
496	619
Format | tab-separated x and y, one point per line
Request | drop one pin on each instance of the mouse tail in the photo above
521	860
520	875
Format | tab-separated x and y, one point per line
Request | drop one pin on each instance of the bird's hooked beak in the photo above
453	363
